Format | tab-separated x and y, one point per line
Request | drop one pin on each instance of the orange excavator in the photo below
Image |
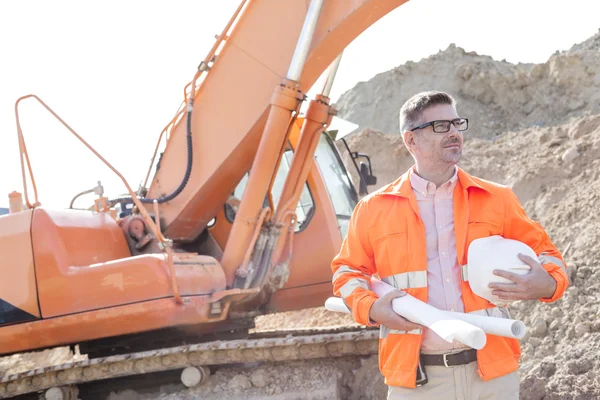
247	205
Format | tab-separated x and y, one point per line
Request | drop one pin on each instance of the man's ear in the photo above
409	140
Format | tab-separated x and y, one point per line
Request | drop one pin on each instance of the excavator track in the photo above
259	347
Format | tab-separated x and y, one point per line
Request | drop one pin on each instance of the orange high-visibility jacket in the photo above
387	237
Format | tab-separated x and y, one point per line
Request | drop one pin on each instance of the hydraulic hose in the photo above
188	169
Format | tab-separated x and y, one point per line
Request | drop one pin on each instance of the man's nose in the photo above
453	132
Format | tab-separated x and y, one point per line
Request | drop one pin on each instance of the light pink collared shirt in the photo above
436	208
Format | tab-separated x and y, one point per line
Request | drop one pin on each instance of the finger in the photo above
393	294
532	262
509	275
501	293
509	296
506	287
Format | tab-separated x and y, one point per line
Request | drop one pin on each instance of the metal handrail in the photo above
23	152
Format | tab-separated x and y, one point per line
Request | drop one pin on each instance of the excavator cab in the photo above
323	212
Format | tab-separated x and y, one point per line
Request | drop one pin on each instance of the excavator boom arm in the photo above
233	101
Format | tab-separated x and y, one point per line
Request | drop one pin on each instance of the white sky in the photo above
115	70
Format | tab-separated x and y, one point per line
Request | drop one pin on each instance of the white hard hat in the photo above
490	253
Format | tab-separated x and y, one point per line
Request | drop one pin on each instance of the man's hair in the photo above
412	110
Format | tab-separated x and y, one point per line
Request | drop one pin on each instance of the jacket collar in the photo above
402	187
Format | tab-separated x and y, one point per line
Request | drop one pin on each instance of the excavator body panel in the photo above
89	285
18	294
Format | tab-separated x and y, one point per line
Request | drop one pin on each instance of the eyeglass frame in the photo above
425	125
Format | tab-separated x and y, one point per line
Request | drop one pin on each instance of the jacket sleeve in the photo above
353	267
519	226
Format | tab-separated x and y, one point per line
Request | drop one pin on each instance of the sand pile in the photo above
496	95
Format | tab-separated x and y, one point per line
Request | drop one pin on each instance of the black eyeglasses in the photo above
443	126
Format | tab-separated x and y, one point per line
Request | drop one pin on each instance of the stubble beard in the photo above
451	155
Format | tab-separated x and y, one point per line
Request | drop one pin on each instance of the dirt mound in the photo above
495	95
323	379
555	172
22	362
591	44
309	318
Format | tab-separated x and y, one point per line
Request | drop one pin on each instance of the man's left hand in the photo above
536	284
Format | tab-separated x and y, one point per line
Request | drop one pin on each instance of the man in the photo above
414	233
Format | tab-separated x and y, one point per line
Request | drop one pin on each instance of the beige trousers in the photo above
459	383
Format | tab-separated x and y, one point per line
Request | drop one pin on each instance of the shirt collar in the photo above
402	187
424	186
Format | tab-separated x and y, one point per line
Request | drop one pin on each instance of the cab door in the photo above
318	239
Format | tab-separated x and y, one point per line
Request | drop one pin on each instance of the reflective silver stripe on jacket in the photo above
384	332
464	272
344	269
352	284
407	280
543	258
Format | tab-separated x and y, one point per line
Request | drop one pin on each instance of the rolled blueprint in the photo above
510	328
336	304
439	321
446	327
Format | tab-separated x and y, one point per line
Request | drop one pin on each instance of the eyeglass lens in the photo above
444	126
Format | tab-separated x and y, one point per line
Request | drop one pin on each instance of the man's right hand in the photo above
382	312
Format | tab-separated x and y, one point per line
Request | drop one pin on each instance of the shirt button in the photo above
444	254
452	309
447	280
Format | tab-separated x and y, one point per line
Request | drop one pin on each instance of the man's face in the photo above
436	148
